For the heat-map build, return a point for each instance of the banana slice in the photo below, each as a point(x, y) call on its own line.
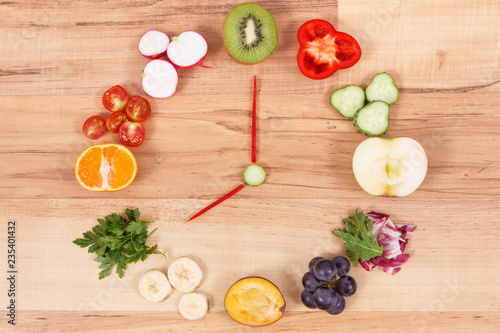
point(193, 306)
point(184, 274)
point(154, 286)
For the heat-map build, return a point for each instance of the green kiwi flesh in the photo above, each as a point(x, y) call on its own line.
point(250, 33)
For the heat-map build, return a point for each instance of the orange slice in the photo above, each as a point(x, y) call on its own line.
point(105, 167)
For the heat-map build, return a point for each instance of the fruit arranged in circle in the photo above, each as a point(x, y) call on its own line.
point(250, 33)
point(326, 283)
point(105, 167)
point(313, 262)
point(115, 99)
point(310, 282)
point(131, 133)
point(138, 109)
point(346, 285)
point(115, 120)
point(193, 306)
point(154, 286)
point(184, 274)
point(343, 265)
point(94, 127)
point(254, 301)
point(324, 270)
point(389, 166)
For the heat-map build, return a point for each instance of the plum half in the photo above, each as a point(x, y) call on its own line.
point(254, 301)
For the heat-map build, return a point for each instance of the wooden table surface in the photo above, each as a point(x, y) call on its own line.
point(58, 57)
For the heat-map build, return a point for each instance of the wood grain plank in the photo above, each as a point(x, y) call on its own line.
point(455, 252)
point(108, 321)
point(198, 147)
point(447, 46)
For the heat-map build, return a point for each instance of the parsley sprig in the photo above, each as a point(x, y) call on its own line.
point(118, 241)
point(359, 241)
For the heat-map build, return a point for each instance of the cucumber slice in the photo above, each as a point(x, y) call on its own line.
point(348, 100)
point(254, 175)
point(382, 88)
point(373, 119)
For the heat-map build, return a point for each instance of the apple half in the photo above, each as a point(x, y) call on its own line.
point(389, 166)
point(254, 301)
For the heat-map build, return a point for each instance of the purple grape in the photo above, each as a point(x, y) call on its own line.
point(314, 261)
point(339, 305)
point(324, 298)
point(325, 270)
point(310, 282)
point(343, 265)
point(307, 299)
point(346, 286)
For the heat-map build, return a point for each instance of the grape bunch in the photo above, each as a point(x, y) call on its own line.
point(327, 283)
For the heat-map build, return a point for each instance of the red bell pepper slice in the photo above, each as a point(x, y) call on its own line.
point(324, 50)
point(254, 121)
point(218, 201)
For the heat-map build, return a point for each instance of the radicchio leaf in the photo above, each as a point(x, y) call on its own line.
point(393, 238)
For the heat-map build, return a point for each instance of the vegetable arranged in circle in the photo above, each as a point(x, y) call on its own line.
point(389, 166)
point(250, 33)
point(373, 119)
point(153, 44)
point(115, 120)
point(348, 100)
point(187, 49)
point(94, 127)
point(115, 99)
point(324, 50)
point(138, 109)
point(382, 88)
point(131, 133)
point(159, 79)
point(254, 301)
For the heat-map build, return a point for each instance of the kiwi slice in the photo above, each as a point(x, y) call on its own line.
point(250, 33)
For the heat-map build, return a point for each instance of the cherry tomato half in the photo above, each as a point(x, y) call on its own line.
point(115, 120)
point(115, 99)
point(324, 50)
point(94, 127)
point(131, 133)
point(138, 109)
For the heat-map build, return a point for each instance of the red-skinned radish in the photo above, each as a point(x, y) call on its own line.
point(153, 44)
point(159, 79)
point(187, 50)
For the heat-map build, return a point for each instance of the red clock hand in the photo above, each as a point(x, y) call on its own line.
point(254, 121)
point(213, 204)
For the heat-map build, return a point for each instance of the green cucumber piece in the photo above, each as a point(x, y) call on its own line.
point(382, 88)
point(254, 175)
point(348, 100)
point(373, 119)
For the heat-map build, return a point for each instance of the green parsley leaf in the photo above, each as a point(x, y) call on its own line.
point(359, 241)
point(118, 241)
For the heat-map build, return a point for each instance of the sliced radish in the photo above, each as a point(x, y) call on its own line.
point(159, 79)
point(153, 44)
point(187, 49)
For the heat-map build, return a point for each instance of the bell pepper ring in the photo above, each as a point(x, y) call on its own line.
point(324, 50)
